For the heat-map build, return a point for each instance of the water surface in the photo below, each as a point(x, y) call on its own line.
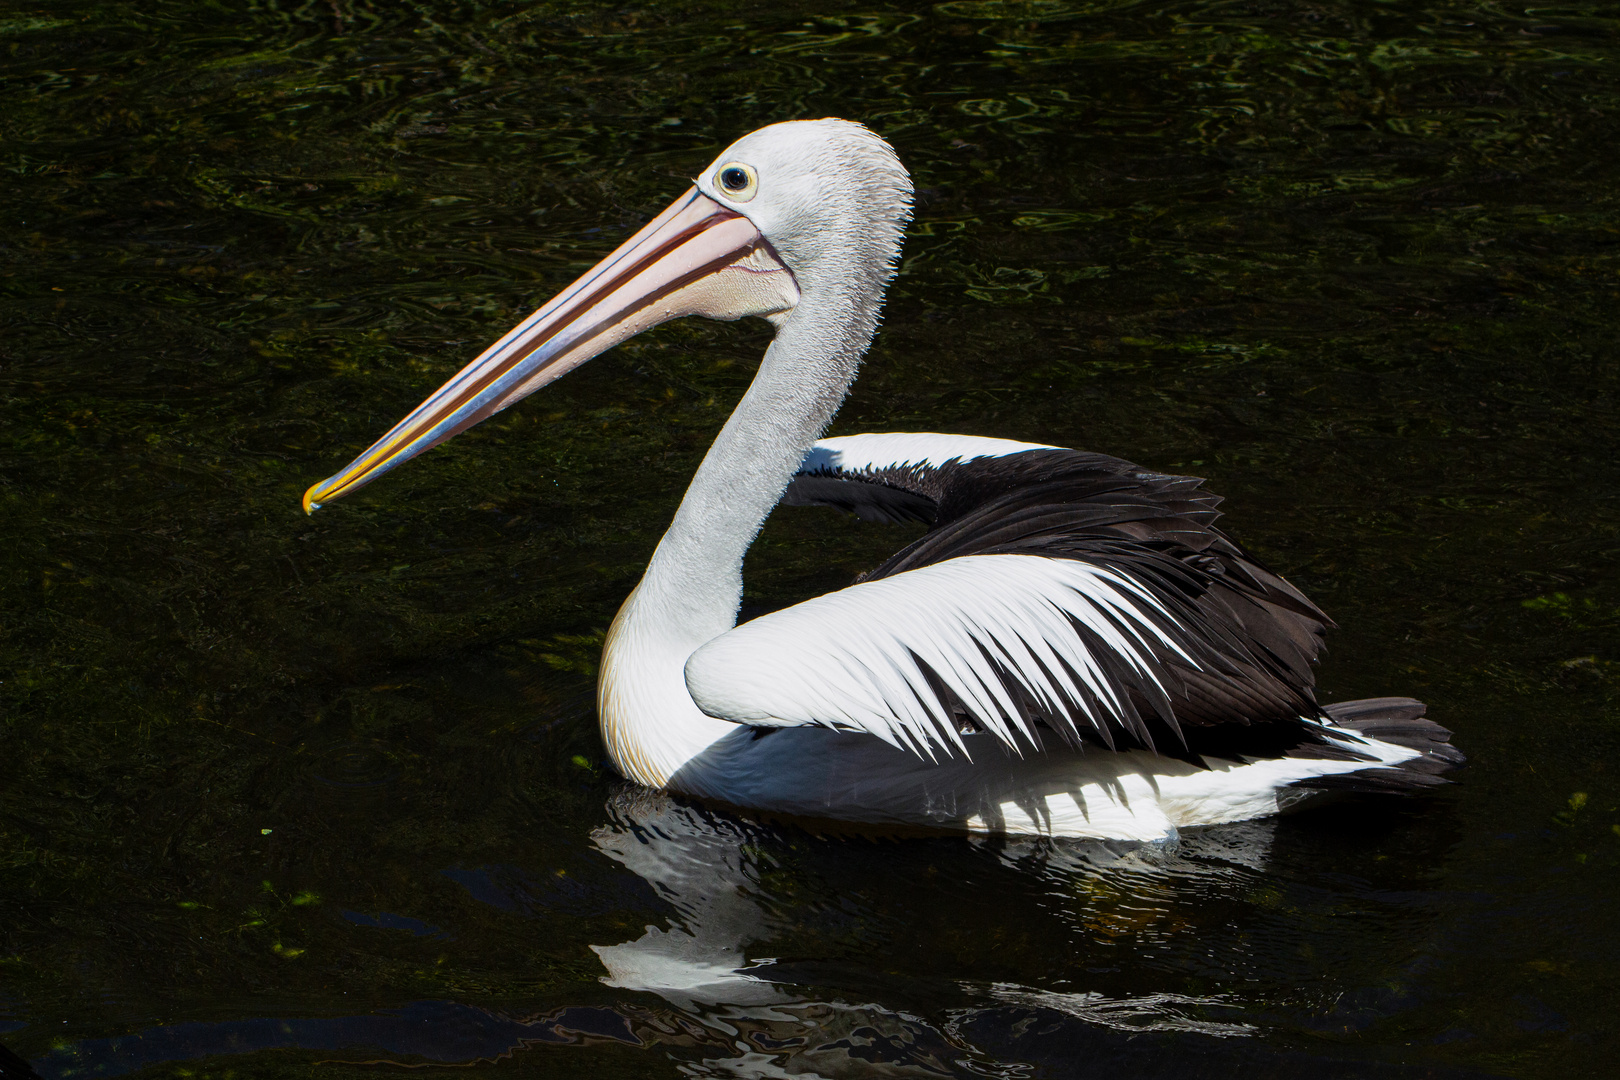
point(298, 796)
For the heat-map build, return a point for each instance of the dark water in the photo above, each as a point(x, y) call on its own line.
point(297, 796)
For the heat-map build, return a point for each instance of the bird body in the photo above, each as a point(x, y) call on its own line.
point(1072, 648)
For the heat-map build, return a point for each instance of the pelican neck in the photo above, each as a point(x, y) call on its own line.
point(693, 584)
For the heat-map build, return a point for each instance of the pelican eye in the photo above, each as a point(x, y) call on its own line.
point(738, 181)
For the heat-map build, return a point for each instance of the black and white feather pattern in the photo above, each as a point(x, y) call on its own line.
point(1056, 593)
point(1010, 640)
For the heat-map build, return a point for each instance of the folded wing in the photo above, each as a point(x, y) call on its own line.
point(1009, 644)
point(1056, 593)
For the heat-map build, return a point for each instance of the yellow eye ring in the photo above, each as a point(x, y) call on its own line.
point(736, 181)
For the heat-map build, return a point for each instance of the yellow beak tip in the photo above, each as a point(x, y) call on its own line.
point(310, 505)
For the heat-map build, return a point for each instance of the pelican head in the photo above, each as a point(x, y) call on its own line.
point(796, 217)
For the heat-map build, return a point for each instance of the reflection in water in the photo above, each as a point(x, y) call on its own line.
point(701, 865)
point(1151, 1012)
point(709, 867)
point(733, 888)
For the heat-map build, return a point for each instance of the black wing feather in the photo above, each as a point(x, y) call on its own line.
point(1253, 637)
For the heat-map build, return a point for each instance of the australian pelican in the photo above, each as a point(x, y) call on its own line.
point(1072, 648)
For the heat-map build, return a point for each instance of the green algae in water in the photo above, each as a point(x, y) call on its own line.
point(1356, 263)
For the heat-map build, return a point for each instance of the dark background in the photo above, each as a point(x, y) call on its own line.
point(281, 793)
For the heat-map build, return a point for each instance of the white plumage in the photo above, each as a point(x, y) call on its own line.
point(1072, 648)
point(858, 659)
point(876, 452)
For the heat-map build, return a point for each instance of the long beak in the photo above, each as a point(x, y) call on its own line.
point(696, 258)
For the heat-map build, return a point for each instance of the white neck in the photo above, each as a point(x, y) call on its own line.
point(693, 585)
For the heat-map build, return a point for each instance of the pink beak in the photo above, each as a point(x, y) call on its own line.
point(695, 258)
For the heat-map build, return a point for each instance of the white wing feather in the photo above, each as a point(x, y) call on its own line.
point(854, 659)
point(886, 450)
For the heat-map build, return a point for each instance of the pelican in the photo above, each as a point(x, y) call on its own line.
point(1071, 649)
